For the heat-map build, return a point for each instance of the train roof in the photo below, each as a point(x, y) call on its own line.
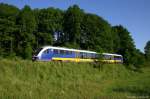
point(112, 54)
point(69, 49)
point(86, 51)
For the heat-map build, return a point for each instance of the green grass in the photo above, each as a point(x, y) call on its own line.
point(22, 79)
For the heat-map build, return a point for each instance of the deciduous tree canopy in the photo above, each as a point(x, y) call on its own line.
point(23, 30)
point(147, 50)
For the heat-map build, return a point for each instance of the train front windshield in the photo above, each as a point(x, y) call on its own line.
point(37, 51)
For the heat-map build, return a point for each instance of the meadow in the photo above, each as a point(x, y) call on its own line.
point(24, 79)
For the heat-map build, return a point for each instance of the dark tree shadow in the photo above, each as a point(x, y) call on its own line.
point(133, 90)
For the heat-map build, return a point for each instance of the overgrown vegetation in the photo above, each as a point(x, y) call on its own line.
point(24, 30)
point(55, 80)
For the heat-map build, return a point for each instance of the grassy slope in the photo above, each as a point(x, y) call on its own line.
point(25, 80)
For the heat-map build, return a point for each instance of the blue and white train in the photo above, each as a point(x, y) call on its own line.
point(50, 53)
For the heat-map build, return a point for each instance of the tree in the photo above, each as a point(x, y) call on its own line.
point(116, 39)
point(27, 51)
point(25, 35)
point(49, 24)
point(27, 29)
point(147, 50)
point(72, 25)
point(96, 34)
point(8, 28)
point(125, 45)
point(140, 59)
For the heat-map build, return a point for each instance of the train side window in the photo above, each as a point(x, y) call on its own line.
point(46, 51)
point(117, 57)
point(110, 57)
point(96, 56)
point(88, 55)
point(81, 55)
point(56, 51)
point(50, 50)
point(70, 52)
point(67, 52)
point(93, 56)
point(84, 54)
point(61, 51)
point(107, 57)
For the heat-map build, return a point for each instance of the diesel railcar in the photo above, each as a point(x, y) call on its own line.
point(51, 53)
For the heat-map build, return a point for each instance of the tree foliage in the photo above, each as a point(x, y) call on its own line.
point(27, 25)
point(124, 45)
point(147, 50)
point(22, 30)
point(72, 25)
point(8, 27)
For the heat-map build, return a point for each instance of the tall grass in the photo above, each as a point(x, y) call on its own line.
point(55, 80)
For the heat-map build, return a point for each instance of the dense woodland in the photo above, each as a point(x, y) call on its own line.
point(24, 30)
